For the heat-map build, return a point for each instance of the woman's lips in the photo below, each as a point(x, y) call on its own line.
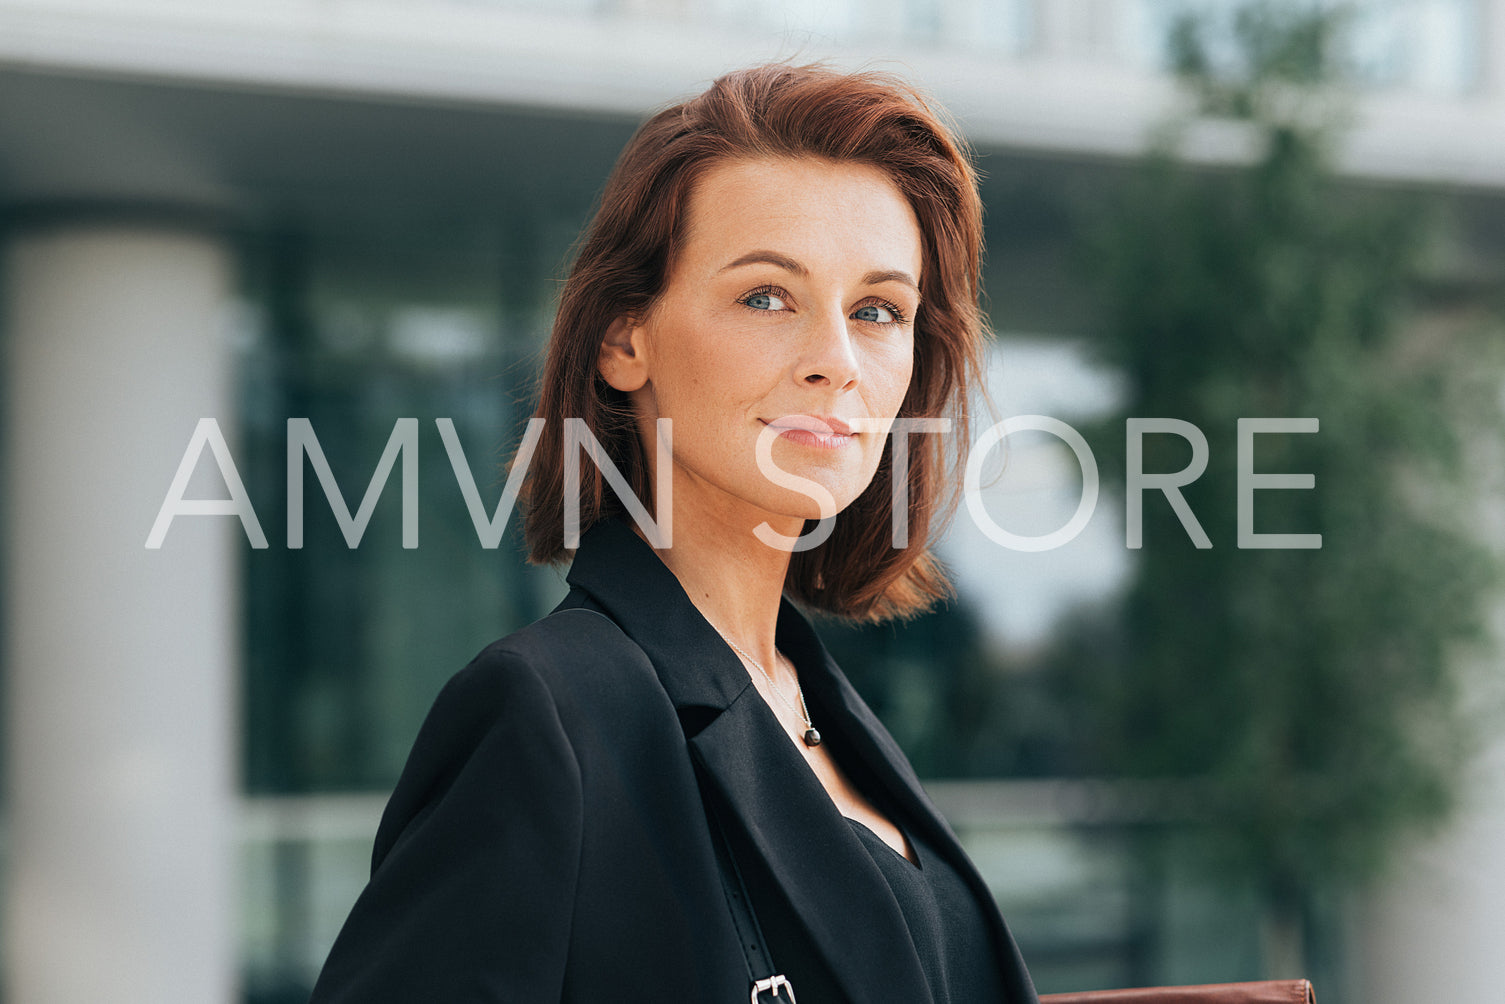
point(819, 431)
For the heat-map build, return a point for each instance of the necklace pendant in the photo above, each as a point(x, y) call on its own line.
point(812, 737)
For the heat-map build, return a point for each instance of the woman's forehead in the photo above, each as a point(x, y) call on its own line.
point(805, 204)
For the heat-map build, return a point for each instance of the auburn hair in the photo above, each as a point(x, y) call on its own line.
point(623, 263)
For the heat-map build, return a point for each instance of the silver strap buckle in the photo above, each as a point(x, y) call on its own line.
point(772, 985)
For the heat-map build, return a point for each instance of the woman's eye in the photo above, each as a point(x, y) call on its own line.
point(876, 312)
point(765, 300)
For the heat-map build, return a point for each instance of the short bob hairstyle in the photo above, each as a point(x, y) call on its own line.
point(623, 263)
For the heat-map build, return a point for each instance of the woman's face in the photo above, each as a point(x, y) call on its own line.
point(790, 306)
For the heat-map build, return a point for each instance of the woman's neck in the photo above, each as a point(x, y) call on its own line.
point(733, 578)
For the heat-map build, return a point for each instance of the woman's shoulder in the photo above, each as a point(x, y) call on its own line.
point(575, 661)
point(559, 644)
point(538, 700)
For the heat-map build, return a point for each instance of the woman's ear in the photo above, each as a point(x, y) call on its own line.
point(622, 362)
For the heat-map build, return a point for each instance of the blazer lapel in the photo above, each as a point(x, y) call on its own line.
point(820, 866)
point(848, 715)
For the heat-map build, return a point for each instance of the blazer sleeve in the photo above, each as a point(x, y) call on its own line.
point(476, 860)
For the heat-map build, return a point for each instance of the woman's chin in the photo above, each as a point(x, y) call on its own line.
point(799, 510)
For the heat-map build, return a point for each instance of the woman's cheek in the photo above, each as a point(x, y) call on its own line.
point(897, 369)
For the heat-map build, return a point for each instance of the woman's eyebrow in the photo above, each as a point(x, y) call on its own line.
point(774, 258)
point(891, 275)
point(788, 264)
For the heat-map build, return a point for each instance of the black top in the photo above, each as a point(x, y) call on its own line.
point(946, 925)
point(548, 839)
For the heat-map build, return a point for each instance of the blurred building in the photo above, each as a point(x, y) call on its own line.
point(353, 212)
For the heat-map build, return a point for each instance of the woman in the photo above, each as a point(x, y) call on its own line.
point(780, 267)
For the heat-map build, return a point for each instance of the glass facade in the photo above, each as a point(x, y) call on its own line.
point(346, 644)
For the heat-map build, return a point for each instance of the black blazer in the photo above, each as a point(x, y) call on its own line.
point(547, 839)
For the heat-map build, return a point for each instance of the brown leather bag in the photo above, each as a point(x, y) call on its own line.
point(1270, 992)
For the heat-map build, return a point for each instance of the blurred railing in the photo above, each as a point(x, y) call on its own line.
point(304, 859)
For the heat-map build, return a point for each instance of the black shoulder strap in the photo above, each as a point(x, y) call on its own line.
point(762, 976)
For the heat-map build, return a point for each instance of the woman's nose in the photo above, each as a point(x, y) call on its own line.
point(830, 358)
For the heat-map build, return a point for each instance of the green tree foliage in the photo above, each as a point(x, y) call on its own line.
point(1304, 701)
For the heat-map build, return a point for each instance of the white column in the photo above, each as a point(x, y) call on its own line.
point(1435, 931)
point(119, 659)
point(1492, 50)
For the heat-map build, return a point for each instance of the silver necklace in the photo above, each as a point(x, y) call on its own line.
point(811, 736)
